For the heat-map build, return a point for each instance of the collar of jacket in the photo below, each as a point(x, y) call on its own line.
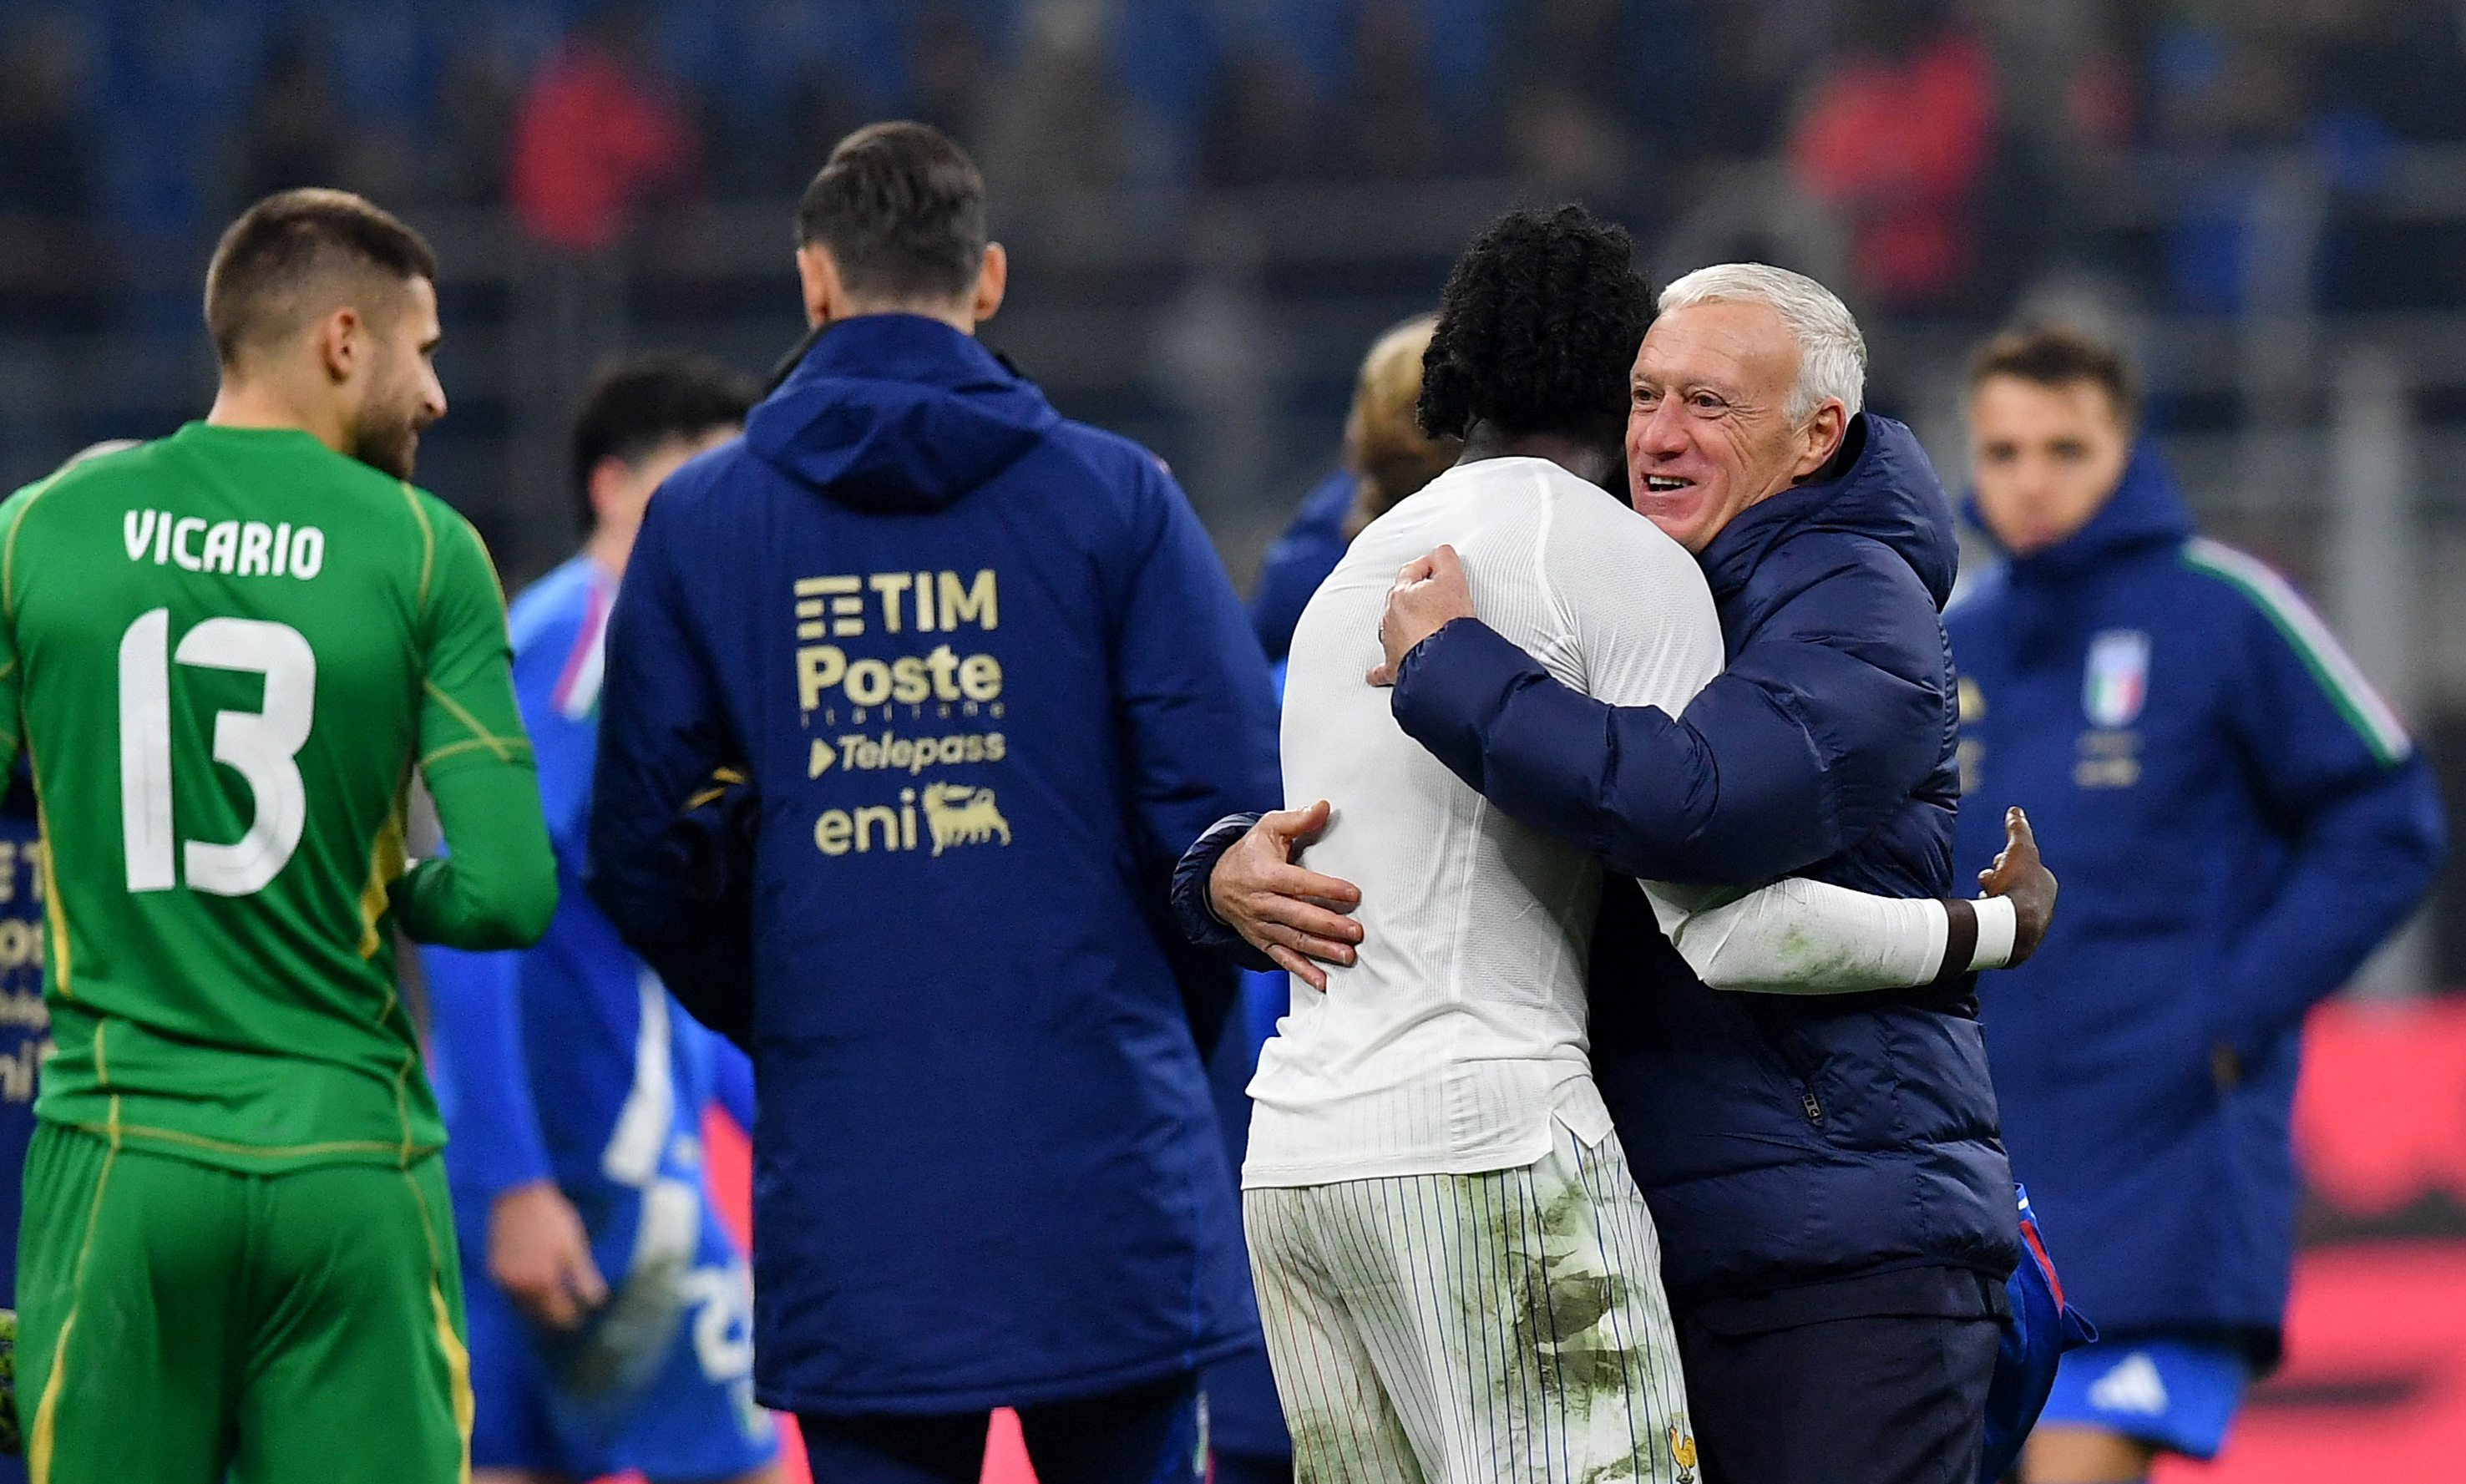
point(2146, 510)
point(1880, 486)
point(897, 412)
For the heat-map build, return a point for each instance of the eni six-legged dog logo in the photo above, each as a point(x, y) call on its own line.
point(962, 816)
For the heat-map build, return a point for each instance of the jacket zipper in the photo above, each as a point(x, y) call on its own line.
point(1806, 1102)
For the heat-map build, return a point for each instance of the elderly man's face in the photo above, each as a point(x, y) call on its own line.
point(1707, 430)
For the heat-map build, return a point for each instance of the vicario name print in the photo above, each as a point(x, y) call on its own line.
point(237, 548)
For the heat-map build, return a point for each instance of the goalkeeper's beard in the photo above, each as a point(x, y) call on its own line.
point(385, 433)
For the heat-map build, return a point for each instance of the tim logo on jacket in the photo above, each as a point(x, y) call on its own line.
point(872, 645)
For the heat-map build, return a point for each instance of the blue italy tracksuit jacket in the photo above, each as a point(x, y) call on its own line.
point(985, 679)
point(2237, 821)
point(569, 1061)
point(1804, 1157)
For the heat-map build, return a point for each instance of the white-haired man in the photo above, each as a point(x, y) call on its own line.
point(1836, 1210)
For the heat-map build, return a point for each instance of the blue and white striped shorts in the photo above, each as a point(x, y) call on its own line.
point(1464, 1329)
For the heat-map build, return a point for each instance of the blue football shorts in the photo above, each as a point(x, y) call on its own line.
point(2174, 1391)
point(673, 1397)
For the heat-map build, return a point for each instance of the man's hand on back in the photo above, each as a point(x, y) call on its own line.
point(2021, 876)
point(1430, 593)
point(540, 1255)
point(1291, 914)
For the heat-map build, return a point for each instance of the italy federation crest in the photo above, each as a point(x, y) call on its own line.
point(2117, 679)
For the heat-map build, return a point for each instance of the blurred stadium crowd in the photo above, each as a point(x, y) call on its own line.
point(1959, 141)
point(1214, 204)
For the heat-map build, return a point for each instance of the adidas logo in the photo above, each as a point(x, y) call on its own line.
point(2132, 1386)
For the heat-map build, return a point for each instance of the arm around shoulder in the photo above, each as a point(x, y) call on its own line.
point(1721, 779)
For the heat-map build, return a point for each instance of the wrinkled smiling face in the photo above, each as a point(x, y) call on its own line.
point(404, 395)
point(1707, 430)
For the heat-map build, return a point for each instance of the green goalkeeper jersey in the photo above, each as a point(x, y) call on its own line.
point(225, 652)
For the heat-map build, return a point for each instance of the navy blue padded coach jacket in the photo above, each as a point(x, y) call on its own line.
point(988, 680)
point(1781, 1141)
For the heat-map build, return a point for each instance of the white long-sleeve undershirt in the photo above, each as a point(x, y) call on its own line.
point(1806, 938)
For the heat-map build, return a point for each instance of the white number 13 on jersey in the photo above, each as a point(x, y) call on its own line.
point(261, 746)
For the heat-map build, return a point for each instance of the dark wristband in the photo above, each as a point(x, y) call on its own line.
point(1960, 940)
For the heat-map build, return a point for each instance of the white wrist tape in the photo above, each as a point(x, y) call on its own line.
point(1997, 926)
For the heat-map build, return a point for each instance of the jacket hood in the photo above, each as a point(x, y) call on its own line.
point(897, 412)
point(1880, 486)
point(2146, 510)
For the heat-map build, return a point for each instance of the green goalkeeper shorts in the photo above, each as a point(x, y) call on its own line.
point(182, 1322)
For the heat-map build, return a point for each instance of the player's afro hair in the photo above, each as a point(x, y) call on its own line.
point(1537, 328)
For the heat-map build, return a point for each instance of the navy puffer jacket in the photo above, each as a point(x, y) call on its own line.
point(1781, 1141)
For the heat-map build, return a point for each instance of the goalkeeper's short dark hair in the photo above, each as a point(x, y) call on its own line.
point(641, 400)
point(1538, 327)
point(304, 251)
point(901, 209)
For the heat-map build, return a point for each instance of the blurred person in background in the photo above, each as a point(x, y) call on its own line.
point(613, 1329)
point(952, 71)
point(1056, 125)
point(1570, 89)
point(24, 1038)
point(1386, 457)
point(599, 131)
point(475, 99)
point(1267, 123)
point(1385, 119)
point(48, 276)
point(2243, 821)
point(55, 268)
point(295, 132)
point(1897, 136)
point(979, 678)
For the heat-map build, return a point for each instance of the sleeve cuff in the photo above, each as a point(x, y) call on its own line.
point(1191, 911)
point(1997, 926)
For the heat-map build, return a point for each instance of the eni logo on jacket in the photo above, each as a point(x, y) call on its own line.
point(955, 815)
point(959, 816)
